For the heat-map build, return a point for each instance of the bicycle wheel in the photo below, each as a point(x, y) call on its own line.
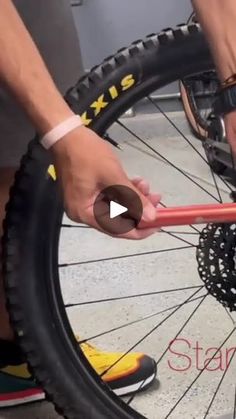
point(40, 276)
point(198, 95)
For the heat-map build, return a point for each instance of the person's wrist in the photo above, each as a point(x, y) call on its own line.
point(65, 145)
point(61, 130)
point(46, 123)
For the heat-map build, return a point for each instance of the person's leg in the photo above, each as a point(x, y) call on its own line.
point(6, 179)
point(51, 25)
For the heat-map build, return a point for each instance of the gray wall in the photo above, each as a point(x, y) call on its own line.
point(107, 25)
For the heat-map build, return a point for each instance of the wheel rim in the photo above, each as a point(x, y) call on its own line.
point(199, 93)
point(194, 297)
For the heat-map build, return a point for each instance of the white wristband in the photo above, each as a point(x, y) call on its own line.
point(57, 133)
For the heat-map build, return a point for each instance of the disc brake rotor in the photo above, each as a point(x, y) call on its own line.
point(216, 257)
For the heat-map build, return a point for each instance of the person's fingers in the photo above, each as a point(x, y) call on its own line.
point(126, 224)
point(155, 199)
point(144, 188)
point(149, 211)
point(142, 185)
point(123, 196)
point(149, 201)
point(118, 177)
point(136, 180)
point(139, 234)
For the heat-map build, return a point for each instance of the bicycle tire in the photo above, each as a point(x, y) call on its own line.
point(30, 252)
point(198, 125)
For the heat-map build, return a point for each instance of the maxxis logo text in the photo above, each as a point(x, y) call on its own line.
point(112, 93)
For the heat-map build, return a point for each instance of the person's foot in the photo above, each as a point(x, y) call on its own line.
point(134, 372)
point(17, 386)
point(124, 374)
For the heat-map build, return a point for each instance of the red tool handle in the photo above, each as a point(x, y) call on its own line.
point(197, 214)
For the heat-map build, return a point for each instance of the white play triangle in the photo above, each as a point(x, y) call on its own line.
point(116, 210)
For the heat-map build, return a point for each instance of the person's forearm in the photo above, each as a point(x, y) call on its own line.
point(218, 19)
point(23, 71)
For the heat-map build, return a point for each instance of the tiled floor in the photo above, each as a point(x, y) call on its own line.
point(151, 272)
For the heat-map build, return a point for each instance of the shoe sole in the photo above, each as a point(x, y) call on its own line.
point(137, 387)
point(20, 398)
point(30, 396)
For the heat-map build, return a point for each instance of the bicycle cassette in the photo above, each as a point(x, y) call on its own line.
point(216, 257)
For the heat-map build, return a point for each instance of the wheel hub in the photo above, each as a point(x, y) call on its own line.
point(216, 257)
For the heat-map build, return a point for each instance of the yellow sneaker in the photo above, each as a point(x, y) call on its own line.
point(134, 372)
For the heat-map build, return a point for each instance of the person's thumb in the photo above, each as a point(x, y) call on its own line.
point(149, 211)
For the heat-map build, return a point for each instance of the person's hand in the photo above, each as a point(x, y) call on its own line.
point(230, 125)
point(86, 165)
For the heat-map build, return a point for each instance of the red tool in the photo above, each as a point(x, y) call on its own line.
point(196, 214)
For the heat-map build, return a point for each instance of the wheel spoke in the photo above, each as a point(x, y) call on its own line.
point(172, 123)
point(129, 297)
point(175, 236)
point(142, 319)
point(167, 161)
point(185, 172)
point(154, 329)
point(219, 385)
point(229, 315)
point(182, 233)
point(76, 226)
point(216, 185)
point(158, 107)
point(202, 298)
point(154, 252)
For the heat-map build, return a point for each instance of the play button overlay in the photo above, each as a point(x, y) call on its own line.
point(118, 209)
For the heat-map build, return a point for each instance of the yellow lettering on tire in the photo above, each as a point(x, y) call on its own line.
point(127, 82)
point(113, 92)
point(85, 119)
point(52, 172)
point(99, 104)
